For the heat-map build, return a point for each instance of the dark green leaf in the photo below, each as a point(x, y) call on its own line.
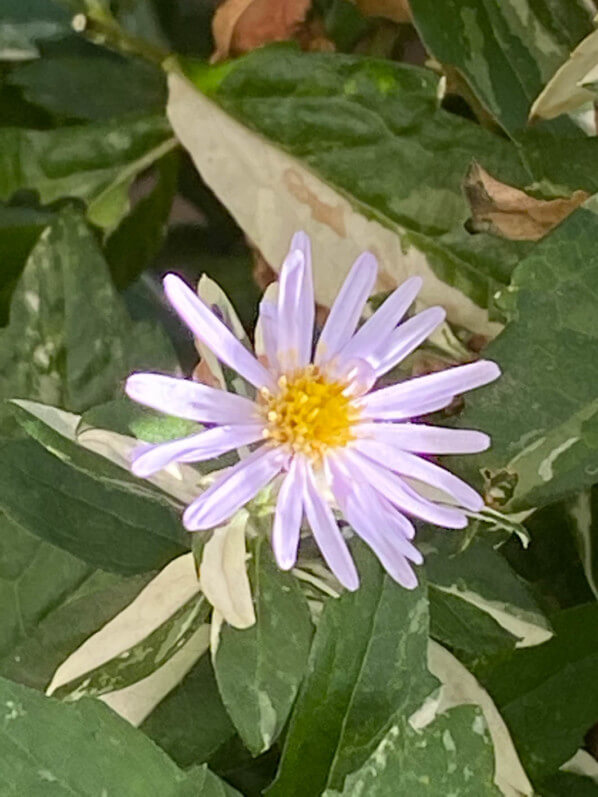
point(48, 747)
point(97, 86)
point(507, 51)
point(138, 239)
point(547, 694)
point(259, 669)
point(94, 162)
point(374, 130)
point(24, 23)
point(111, 523)
point(191, 723)
point(367, 664)
point(20, 227)
point(546, 445)
point(70, 341)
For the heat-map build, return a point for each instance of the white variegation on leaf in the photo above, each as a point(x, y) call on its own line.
point(258, 182)
point(223, 573)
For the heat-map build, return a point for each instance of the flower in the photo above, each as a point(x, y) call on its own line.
point(316, 423)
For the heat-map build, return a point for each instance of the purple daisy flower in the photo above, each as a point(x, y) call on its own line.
point(318, 427)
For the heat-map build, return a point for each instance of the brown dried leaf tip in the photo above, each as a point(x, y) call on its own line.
point(508, 212)
point(239, 26)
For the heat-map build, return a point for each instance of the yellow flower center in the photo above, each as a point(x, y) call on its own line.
point(309, 413)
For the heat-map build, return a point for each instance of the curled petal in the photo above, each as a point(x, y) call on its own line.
point(213, 333)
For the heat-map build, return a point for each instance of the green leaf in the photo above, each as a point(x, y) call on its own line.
point(361, 151)
point(259, 669)
point(96, 86)
point(481, 576)
point(144, 658)
point(547, 694)
point(70, 341)
point(546, 446)
point(565, 784)
point(469, 631)
point(367, 664)
point(583, 519)
point(24, 23)
point(138, 239)
point(191, 723)
point(94, 162)
point(83, 503)
point(20, 228)
point(506, 50)
point(50, 610)
point(86, 749)
point(453, 755)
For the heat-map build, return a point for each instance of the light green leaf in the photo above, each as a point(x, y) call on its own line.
point(259, 669)
point(70, 341)
point(506, 49)
point(96, 162)
point(361, 157)
point(367, 665)
point(85, 749)
point(546, 446)
point(453, 755)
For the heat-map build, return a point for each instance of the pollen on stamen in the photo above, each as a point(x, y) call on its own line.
point(308, 413)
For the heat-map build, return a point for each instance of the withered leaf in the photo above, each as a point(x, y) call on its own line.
point(239, 26)
point(396, 10)
point(509, 212)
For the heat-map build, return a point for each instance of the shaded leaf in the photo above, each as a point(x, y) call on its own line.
point(521, 46)
point(24, 23)
point(547, 694)
point(70, 341)
point(95, 162)
point(191, 723)
point(259, 669)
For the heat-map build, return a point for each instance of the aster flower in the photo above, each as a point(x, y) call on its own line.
point(316, 425)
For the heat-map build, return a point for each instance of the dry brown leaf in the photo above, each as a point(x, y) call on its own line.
point(397, 10)
point(239, 26)
point(506, 211)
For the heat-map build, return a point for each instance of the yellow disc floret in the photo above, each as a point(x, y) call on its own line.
point(308, 413)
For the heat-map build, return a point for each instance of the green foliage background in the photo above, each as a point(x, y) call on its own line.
point(381, 692)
